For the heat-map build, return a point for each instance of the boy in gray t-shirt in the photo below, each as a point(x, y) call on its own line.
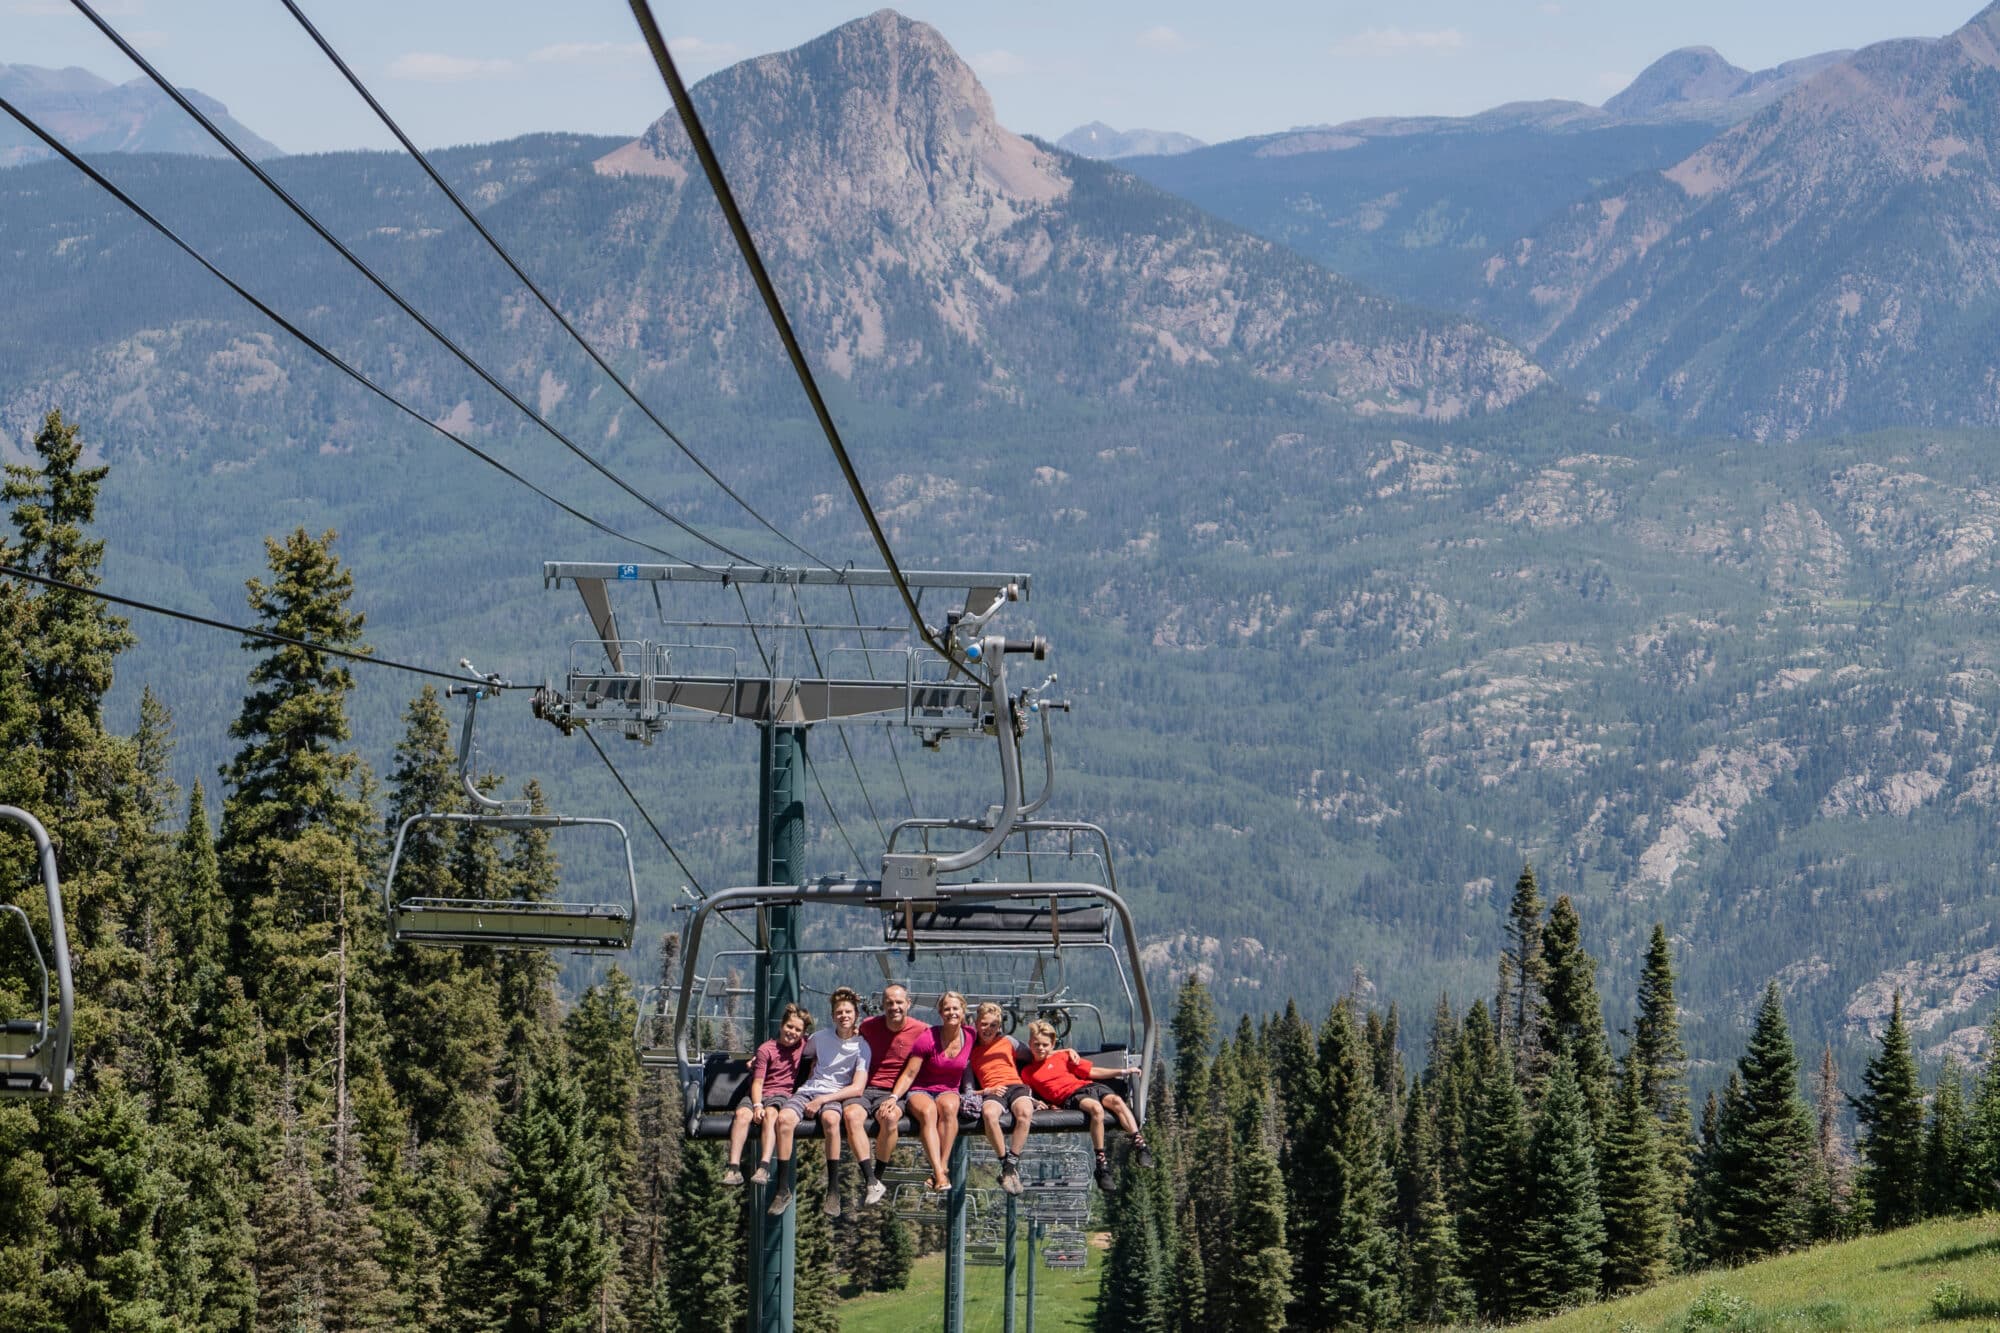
point(839, 1059)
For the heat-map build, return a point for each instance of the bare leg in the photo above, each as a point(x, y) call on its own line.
point(923, 1110)
point(788, 1124)
point(768, 1141)
point(1116, 1105)
point(886, 1130)
point(947, 1109)
point(739, 1130)
point(1024, 1114)
point(1093, 1111)
point(829, 1129)
point(857, 1129)
point(989, 1120)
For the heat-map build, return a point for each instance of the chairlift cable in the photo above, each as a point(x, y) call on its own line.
point(144, 214)
point(642, 11)
point(465, 210)
point(845, 744)
point(361, 266)
point(270, 636)
point(838, 827)
point(901, 777)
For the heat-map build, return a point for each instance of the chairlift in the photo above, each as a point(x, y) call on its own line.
point(961, 916)
point(520, 923)
point(35, 1050)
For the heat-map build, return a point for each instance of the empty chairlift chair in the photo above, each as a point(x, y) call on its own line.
point(519, 923)
point(35, 1048)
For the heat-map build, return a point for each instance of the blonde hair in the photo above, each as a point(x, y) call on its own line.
point(988, 1009)
point(1041, 1027)
point(951, 995)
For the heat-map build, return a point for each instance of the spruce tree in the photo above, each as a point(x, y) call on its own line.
point(1948, 1186)
point(1833, 1168)
point(1639, 1219)
point(1562, 1245)
point(1523, 977)
point(1261, 1271)
point(548, 1250)
point(1497, 1182)
point(1572, 1017)
point(1351, 1264)
point(1129, 1295)
point(1760, 1199)
point(704, 1269)
point(1212, 1185)
point(1662, 1063)
point(1985, 1128)
point(1891, 1115)
point(1194, 1040)
point(1434, 1292)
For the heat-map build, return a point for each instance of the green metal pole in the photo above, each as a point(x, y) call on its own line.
point(1034, 1234)
point(954, 1238)
point(1013, 1249)
point(781, 837)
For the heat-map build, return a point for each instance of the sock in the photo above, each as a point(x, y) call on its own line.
point(786, 1176)
point(868, 1169)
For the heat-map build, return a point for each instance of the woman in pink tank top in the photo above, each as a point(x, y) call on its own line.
point(934, 1092)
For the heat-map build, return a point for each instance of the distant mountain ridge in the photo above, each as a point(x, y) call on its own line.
point(1101, 141)
point(94, 115)
point(1831, 264)
point(1696, 80)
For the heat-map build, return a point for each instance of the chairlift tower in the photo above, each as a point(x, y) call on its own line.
point(640, 685)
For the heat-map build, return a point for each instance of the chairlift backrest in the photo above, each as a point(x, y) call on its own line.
point(35, 1050)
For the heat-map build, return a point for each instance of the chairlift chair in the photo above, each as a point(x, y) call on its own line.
point(971, 916)
point(35, 1050)
point(521, 923)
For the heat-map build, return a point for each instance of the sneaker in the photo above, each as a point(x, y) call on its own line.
point(1144, 1154)
point(876, 1191)
point(1105, 1180)
point(762, 1175)
point(831, 1204)
point(1010, 1174)
point(780, 1201)
point(733, 1176)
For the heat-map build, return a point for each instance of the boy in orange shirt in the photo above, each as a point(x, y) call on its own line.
point(1066, 1081)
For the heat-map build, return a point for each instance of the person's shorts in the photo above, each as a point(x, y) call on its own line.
point(796, 1103)
point(778, 1100)
point(874, 1097)
point(1096, 1092)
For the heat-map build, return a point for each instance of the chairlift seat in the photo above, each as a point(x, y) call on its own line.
point(999, 924)
point(512, 924)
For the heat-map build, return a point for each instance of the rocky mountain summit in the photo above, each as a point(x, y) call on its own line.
point(1830, 264)
point(97, 116)
point(1101, 141)
point(1696, 81)
point(919, 236)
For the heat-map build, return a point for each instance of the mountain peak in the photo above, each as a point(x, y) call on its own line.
point(1102, 141)
point(875, 114)
point(1691, 74)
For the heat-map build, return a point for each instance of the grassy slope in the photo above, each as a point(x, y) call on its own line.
point(1878, 1282)
point(1063, 1300)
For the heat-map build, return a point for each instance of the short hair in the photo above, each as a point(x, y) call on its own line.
point(988, 1009)
point(896, 985)
point(843, 995)
point(799, 1012)
point(951, 995)
point(1041, 1027)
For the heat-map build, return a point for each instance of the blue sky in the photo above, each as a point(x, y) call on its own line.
point(457, 71)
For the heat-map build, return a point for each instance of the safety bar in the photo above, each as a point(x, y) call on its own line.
point(53, 1053)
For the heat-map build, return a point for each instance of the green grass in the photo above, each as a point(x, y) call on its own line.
point(1063, 1300)
point(1941, 1275)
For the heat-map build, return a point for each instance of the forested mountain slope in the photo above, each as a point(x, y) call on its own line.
point(1338, 672)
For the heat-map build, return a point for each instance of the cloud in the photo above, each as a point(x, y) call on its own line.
point(429, 67)
point(1164, 39)
point(572, 53)
point(701, 51)
point(1400, 41)
point(997, 64)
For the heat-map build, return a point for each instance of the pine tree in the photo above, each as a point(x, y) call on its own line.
point(1948, 1186)
point(1985, 1128)
point(1351, 1267)
point(1662, 1064)
point(548, 1250)
point(1764, 1144)
point(1571, 1021)
point(1194, 1041)
point(1833, 1165)
point(1639, 1220)
point(1562, 1249)
point(1434, 1292)
point(1523, 977)
point(1134, 1267)
point(1304, 1157)
point(1891, 1114)
point(1489, 1224)
point(1212, 1185)
point(704, 1270)
point(815, 1282)
point(1261, 1273)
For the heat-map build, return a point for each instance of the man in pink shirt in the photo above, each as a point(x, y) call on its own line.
point(892, 1038)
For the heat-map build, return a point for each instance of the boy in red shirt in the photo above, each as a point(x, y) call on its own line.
point(1065, 1080)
